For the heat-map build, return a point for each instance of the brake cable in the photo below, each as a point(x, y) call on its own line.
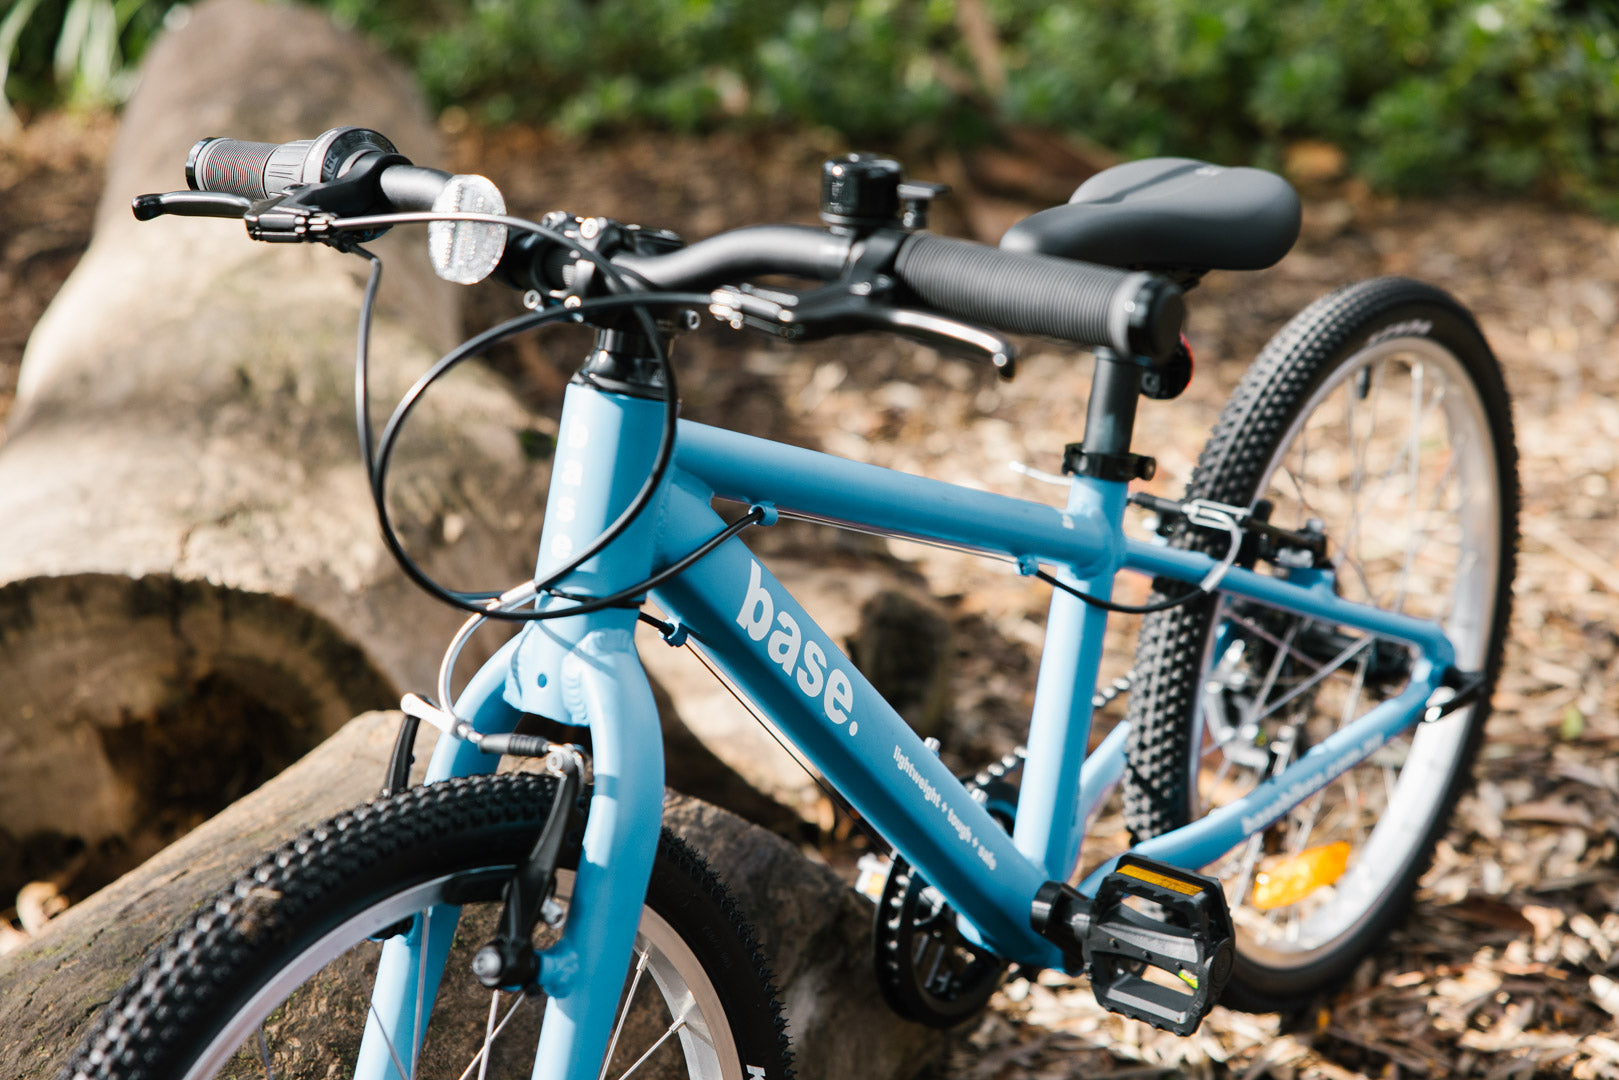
point(1200, 512)
point(377, 456)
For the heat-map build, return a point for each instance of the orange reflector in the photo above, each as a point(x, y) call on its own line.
point(1297, 876)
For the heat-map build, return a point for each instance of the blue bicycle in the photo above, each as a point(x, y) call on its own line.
point(1329, 604)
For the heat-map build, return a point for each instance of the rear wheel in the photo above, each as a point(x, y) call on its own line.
point(273, 978)
point(1380, 413)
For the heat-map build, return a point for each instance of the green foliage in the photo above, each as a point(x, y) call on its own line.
point(76, 51)
point(1423, 95)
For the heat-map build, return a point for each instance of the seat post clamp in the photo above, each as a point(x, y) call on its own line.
point(1121, 468)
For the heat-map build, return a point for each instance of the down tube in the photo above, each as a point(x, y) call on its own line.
point(759, 636)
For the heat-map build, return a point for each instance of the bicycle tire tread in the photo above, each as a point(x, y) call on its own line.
point(1170, 650)
point(265, 911)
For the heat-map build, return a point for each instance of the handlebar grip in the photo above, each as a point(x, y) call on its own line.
point(258, 170)
point(1135, 313)
point(235, 167)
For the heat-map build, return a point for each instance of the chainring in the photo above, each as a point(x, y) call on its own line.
point(926, 970)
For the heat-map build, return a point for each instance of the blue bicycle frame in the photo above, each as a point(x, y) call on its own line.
point(584, 670)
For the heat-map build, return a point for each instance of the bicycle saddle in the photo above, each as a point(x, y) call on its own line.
point(1168, 214)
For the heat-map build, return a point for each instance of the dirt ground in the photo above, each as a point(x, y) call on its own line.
point(1509, 966)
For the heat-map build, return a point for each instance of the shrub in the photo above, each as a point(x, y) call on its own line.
point(1423, 95)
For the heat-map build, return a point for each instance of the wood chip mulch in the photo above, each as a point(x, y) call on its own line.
point(1509, 964)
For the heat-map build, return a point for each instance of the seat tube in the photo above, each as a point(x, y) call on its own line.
point(1049, 828)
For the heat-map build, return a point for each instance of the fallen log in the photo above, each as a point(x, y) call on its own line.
point(815, 930)
point(192, 587)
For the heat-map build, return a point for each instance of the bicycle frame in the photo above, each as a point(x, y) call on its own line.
point(585, 670)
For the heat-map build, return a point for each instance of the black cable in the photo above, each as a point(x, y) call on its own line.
point(595, 603)
point(1121, 609)
point(362, 391)
point(833, 795)
point(667, 629)
point(379, 460)
point(476, 602)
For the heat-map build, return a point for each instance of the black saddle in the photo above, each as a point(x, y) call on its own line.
point(1173, 215)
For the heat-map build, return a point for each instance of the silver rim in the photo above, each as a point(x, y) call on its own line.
point(1394, 453)
point(670, 1021)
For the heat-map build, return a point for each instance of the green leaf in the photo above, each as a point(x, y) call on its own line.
point(10, 30)
point(1573, 725)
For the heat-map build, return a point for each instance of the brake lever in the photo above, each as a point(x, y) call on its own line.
point(212, 204)
point(842, 309)
point(949, 336)
point(280, 219)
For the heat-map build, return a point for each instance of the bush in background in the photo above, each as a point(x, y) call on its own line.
point(1423, 95)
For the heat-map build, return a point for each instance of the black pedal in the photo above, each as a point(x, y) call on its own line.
point(1179, 928)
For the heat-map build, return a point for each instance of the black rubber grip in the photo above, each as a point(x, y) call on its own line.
point(1134, 313)
point(231, 166)
point(257, 170)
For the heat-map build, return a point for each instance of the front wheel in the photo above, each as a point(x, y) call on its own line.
point(1379, 417)
point(274, 977)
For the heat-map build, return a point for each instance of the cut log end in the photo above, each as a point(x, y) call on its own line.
point(138, 707)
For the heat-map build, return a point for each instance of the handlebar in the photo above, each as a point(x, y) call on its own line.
point(741, 254)
point(358, 171)
point(1134, 313)
point(256, 170)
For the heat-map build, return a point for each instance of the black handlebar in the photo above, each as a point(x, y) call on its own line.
point(1133, 313)
point(1136, 314)
point(741, 254)
point(257, 171)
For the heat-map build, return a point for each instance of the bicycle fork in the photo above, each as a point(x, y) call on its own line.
point(583, 670)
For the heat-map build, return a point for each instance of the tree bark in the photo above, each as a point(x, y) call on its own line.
point(815, 931)
point(187, 534)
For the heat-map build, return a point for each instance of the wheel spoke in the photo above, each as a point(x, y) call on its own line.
point(1357, 454)
point(1245, 867)
point(481, 1059)
point(1308, 812)
point(1405, 461)
point(393, 1053)
point(624, 1010)
point(1441, 485)
point(264, 1053)
point(1252, 714)
point(1260, 632)
point(1350, 711)
point(421, 986)
point(1306, 508)
point(674, 1027)
point(488, 1037)
point(1337, 662)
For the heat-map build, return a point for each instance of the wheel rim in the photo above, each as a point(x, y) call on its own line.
point(670, 1021)
point(1394, 453)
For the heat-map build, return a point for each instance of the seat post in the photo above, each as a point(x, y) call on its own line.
point(1110, 420)
point(1110, 415)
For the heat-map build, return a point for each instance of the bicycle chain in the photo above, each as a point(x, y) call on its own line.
point(1109, 693)
point(912, 919)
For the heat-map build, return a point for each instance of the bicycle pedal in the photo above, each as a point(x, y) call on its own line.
point(1159, 944)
